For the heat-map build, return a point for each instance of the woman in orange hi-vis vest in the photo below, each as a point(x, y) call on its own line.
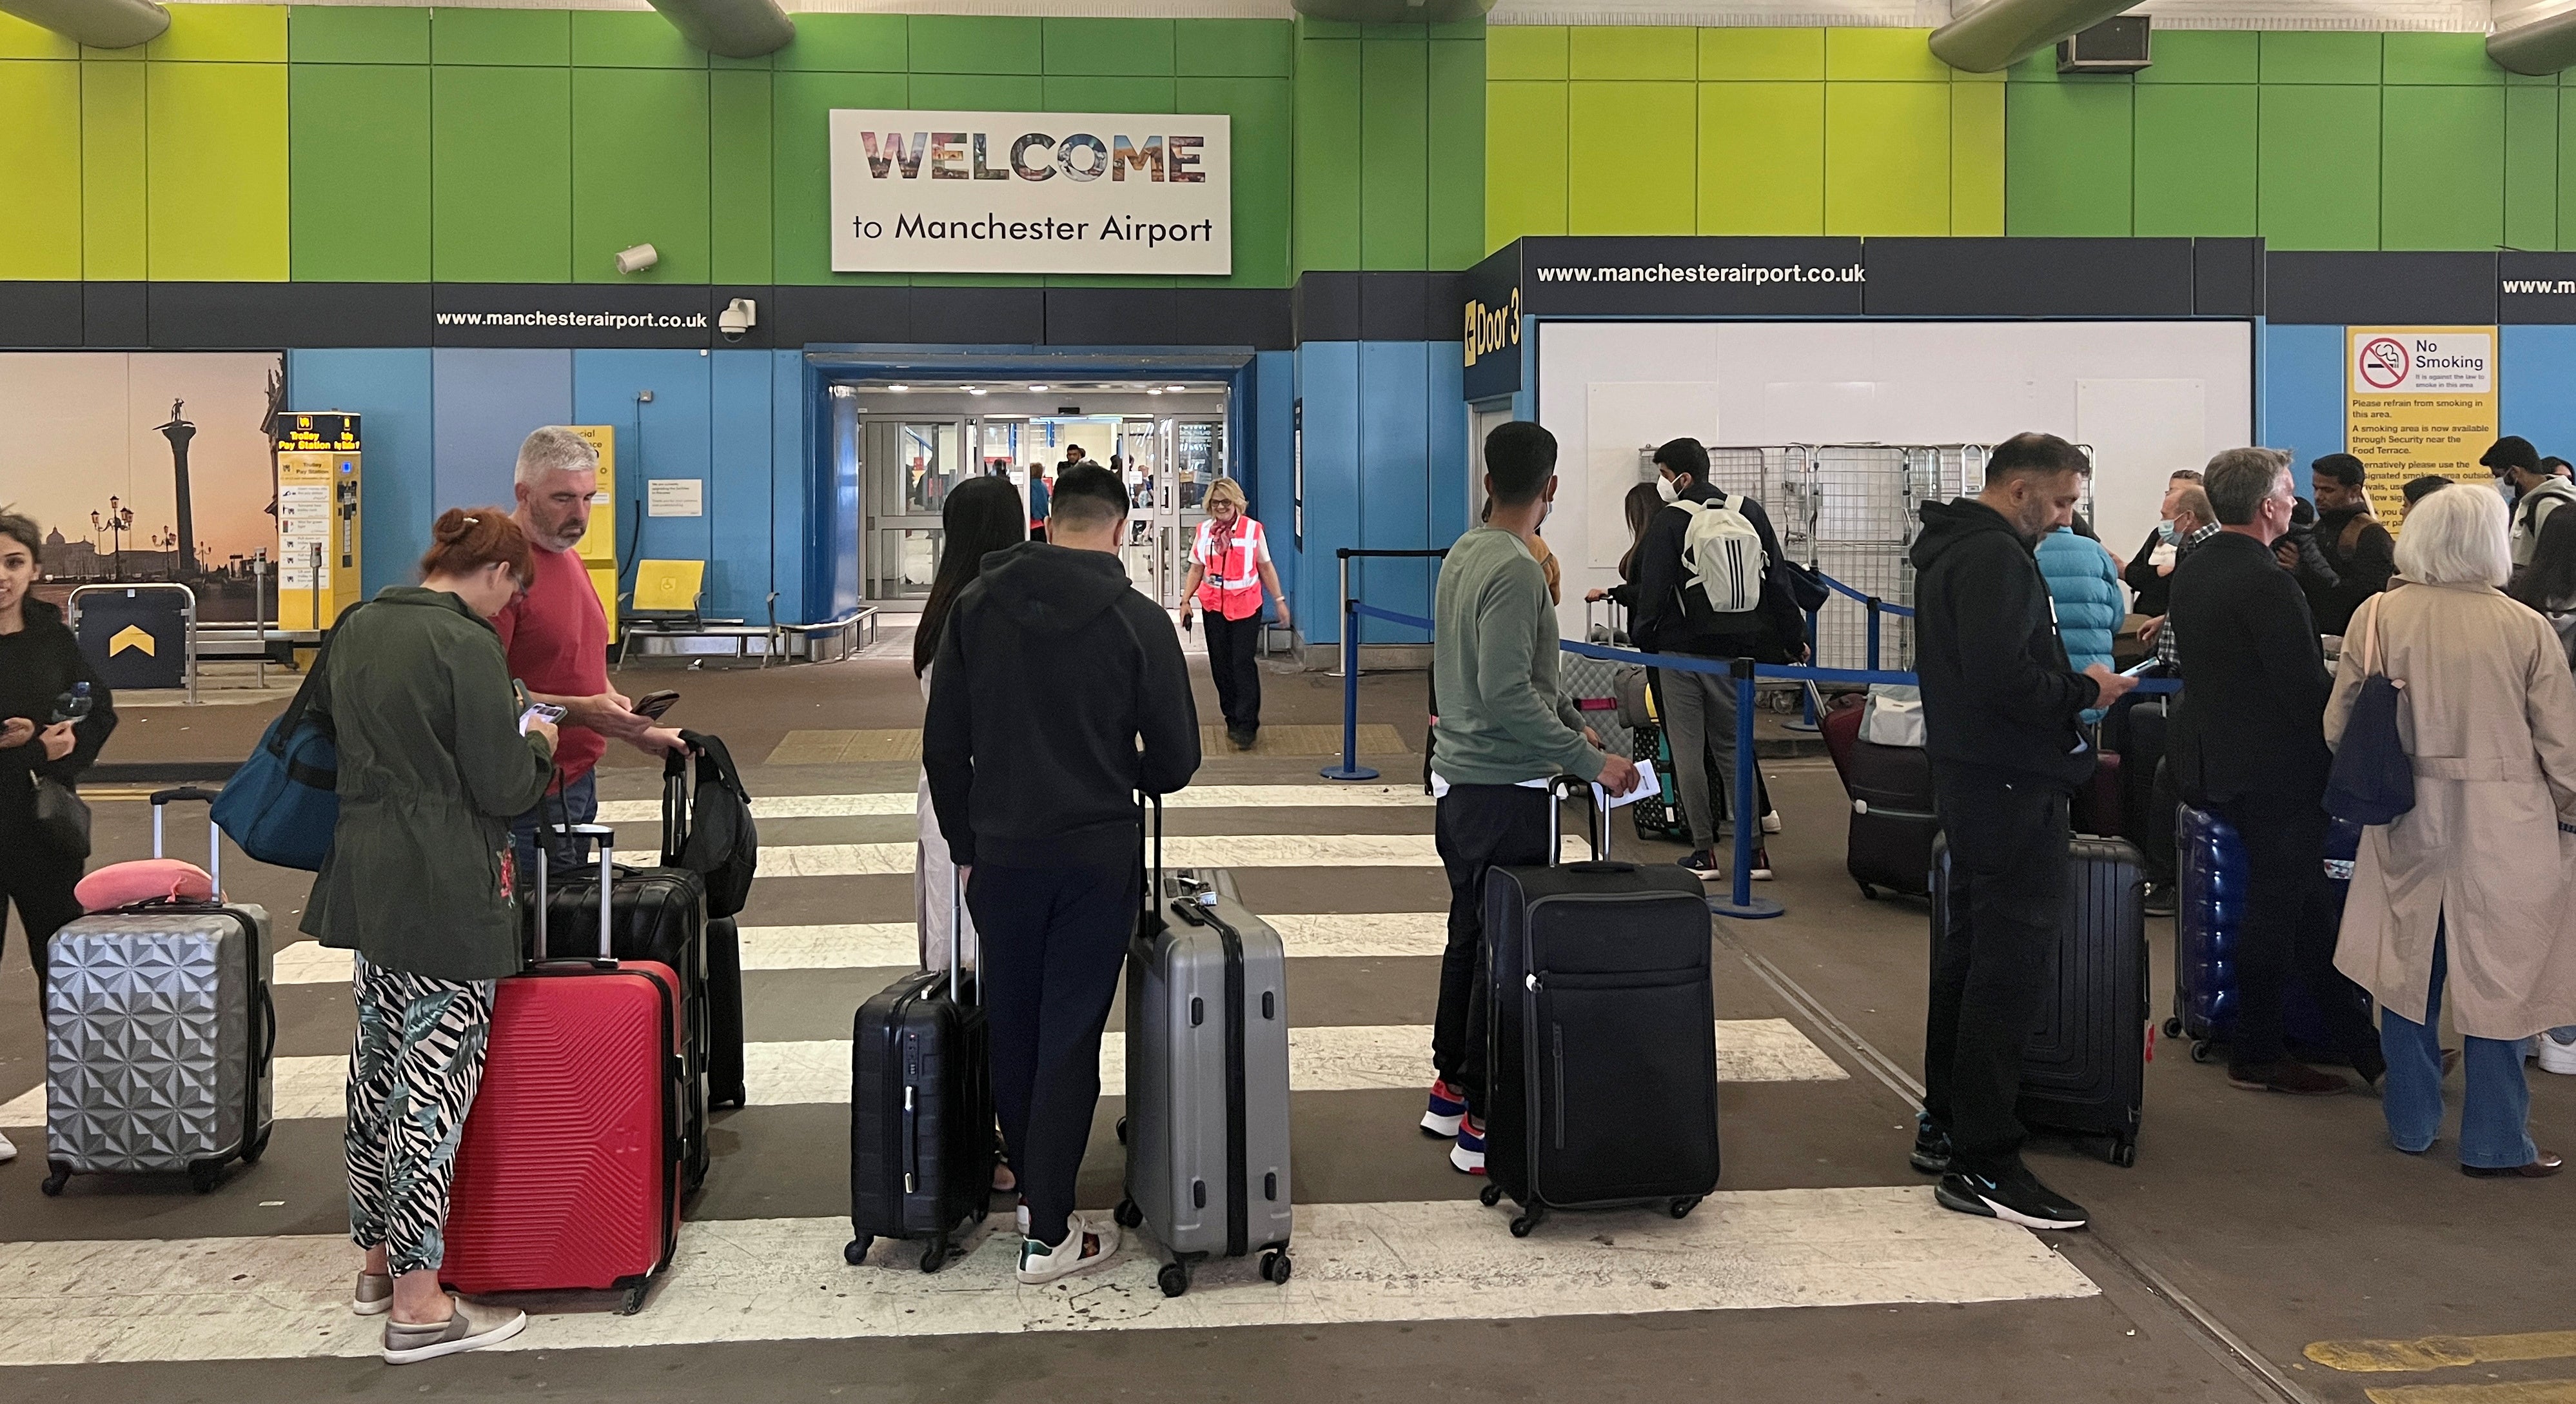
point(1229, 568)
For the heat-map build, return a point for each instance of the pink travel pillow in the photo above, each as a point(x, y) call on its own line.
point(143, 880)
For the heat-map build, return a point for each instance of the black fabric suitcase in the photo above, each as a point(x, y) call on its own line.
point(1892, 822)
point(1601, 1038)
point(725, 1087)
point(723, 854)
point(2086, 1068)
point(921, 1114)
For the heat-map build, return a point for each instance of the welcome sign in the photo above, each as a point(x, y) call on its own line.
point(1031, 192)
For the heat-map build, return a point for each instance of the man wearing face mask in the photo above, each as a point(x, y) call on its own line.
point(2534, 491)
point(2150, 572)
point(2000, 710)
point(2249, 745)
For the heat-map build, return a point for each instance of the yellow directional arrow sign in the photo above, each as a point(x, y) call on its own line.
point(131, 636)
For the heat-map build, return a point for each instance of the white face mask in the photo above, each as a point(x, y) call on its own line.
point(1664, 489)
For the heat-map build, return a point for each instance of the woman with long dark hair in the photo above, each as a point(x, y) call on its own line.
point(2548, 584)
point(983, 515)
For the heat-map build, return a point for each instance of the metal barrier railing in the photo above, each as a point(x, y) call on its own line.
point(1350, 768)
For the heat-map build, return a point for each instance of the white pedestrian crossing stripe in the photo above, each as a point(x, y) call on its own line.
point(1220, 851)
point(879, 804)
point(286, 1297)
point(1322, 1058)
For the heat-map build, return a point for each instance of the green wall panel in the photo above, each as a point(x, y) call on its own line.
point(40, 169)
point(1106, 47)
point(1631, 53)
point(1639, 151)
point(216, 162)
point(630, 39)
point(1883, 56)
point(2195, 160)
point(2067, 146)
point(1750, 53)
point(829, 43)
point(803, 163)
point(2320, 57)
point(1395, 140)
point(2531, 168)
point(2442, 168)
point(1526, 51)
point(978, 92)
point(357, 34)
point(2318, 166)
point(358, 154)
point(222, 34)
point(501, 38)
point(2204, 56)
point(20, 39)
point(1234, 48)
point(1457, 152)
point(1525, 159)
point(1887, 157)
point(1263, 129)
point(738, 177)
point(1761, 165)
point(639, 173)
point(1106, 94)
point(114, 201)
point(501, 173)
point(1327, 181)
point(1977, 159)
point(2445, 59)
point(2567, 175)
point(976, 44)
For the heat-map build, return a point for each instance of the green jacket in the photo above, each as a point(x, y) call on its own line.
point(432, 770)
point(1493, 671)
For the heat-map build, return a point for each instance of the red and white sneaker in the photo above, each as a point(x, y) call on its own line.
point(1468, 1156)
point(1446, 1111)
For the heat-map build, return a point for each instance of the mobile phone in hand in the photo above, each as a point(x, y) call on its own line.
point(540, 712)
point(653, 704)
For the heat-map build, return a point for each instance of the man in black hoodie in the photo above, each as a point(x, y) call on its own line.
point(1059, 693)
point(2000, 708)
point(2360, 554)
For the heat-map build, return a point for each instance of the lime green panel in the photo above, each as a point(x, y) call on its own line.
point(2306, 56)
point(1525, 51)
point(1263, 139)
point(1106, 47)
point(222, 34)
point(1781, 54)
point(630, 39)
point(1457, 29)
point(2446, 59)
point(498, 38)
point(976, 44)
point(1457, 152)
point(1977, 159)
point(2442, 173)
point(802, 144)
point(501, 174)
point(113, 197)
point(40, 169)
point(978, 92)
point(2203, 56)
point(2530, 168)
point(1887, 157)
point(2066, 160)
point(216, 167)
point(1761, 166)
point(357, 34)
point(1525, 158)
point(1327, 189)
point(2195, 160)
point(1106, 94)
point(2567, 175)
point(2319, 166)
point(1640, 144)
point(829, 43)
point(738, 173)
point(358, 159)
point(639, 173)
point(1883, 55)
point(20, 39)
point(1631, 53)
point(1234, 48)
point(1395, 140)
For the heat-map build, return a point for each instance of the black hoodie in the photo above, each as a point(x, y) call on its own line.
point(1052, 669)
point(1998, 692)
point(38, 664)
point(1671, 617)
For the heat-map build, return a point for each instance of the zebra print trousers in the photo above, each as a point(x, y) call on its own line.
point(413, 1072)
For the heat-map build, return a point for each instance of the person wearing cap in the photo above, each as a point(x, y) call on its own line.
point(2534, 490)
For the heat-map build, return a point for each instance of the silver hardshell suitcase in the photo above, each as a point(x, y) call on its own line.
point(158, 1034)
point(1207, 1076)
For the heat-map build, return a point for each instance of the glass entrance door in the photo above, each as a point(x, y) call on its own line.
point(1169, 465)
point(910, 466)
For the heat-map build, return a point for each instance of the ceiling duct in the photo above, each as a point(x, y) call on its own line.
point(2000, 33)
point(100, 24)
point(734, 28)
point(2542, 46)
point(1395, 11)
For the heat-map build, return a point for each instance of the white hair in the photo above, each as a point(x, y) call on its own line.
point(554, 449)
point(2456, 536)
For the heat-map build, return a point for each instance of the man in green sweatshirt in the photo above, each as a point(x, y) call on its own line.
point(1504, 732)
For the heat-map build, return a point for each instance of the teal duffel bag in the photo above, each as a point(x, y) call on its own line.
point(283, 803)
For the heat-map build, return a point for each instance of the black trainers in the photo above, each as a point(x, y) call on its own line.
point(1931, 1146)
point(2016, 1197)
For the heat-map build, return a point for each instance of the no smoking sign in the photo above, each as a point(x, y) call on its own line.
point(2382, 363)
point(2422, 361)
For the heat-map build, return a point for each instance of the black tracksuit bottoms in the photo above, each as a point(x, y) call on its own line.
point(1478, 827)
point(38, 881)
point(1053, 942)
point(1231, 644)
point(1995, 958)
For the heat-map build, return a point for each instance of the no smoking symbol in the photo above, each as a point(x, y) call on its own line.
point(2382, 363)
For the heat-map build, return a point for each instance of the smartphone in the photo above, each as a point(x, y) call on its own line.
point(654, 704)
point(540, 712)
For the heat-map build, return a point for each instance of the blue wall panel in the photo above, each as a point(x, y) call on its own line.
point(738, 486)
point(2299, 404)
point(1395, 496)
point(1328, 380)
point(787, 479)
point(1446, 401)
point(1274, 489)
point(391, 390)
point(2536, 365)
point(486, 402)
point(668, 438)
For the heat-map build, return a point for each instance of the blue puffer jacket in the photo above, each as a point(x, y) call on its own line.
point(2086, 586)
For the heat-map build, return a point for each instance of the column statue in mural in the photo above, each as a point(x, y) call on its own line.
point(179, 431)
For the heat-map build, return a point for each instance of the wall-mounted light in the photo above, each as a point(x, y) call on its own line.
point(898, 387)
point(638, 258)
point(1037, 389)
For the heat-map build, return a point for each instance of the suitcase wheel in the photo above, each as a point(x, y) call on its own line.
point(1174, 1279)
point(855, 1251)
point(1680, 1208)
point(634, 1299)
point(2124, 1154)
point(1275, 1266)
point(1127, 1214)
point(1527, 1220)
point(2201, 1050)
point(1122, 1130)
point(203, 1176)
point(2173, 1028)
point(937, 1255)
point(54, 1182)
point(1490, 1195)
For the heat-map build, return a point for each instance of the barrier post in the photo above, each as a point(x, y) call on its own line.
point(1872, 605)
point(1350, 768)
point(1807, 718)
point(1740, 902)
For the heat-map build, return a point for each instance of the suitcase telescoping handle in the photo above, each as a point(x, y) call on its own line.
point(1154, 873)
point(605, 837)
point(1560, 789)
point(190, 794)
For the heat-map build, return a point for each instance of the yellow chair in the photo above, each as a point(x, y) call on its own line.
point(664, 601)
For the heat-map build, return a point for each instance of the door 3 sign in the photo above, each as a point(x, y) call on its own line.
point(1031, 192)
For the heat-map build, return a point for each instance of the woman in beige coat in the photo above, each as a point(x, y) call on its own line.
point(2474, 877)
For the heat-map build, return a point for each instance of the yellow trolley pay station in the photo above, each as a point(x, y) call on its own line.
point(598, 546)
point(317, 519)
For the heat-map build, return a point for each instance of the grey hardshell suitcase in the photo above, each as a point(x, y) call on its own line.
point(1207, 1075)
point(158, 1034)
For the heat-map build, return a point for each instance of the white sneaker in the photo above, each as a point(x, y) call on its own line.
point(1022, 1215)
point(2556, 1057)
point(1771, 822)
point(8, 1152)
point(1090, 1241)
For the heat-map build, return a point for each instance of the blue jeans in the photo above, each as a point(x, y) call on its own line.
point(578, 803)
point(2496, 1112)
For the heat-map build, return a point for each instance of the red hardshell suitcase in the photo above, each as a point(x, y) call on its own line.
point(572, 1181)
point(2098, 809)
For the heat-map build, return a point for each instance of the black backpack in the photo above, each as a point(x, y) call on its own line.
point(707, 825)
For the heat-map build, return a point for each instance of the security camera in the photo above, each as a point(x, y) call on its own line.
point(739, 316)
point(638, 258)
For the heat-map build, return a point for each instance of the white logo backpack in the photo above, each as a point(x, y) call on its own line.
point(1722, 555)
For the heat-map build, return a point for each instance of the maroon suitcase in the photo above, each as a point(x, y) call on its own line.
point(572, 1182)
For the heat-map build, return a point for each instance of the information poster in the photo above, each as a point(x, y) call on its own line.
point(317, 518)
point(2418, 400)
point(598, 546)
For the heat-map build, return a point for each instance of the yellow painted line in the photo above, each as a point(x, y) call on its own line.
point(2440, 1352)
point(96, 795)
point(2519, 1392)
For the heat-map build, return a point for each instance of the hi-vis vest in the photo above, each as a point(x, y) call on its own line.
point(1233, 584)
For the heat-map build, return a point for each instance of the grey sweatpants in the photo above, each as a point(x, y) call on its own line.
point(1699, 710)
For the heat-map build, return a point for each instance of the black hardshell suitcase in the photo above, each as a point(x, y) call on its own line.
point(921, 1113)
point(1892, 822)
point(1601, 1038)
point(2086, 1068)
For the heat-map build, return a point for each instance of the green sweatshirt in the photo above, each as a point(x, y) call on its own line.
point(1493, 671)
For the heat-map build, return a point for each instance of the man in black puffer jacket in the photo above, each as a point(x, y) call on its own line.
point(2000, 708)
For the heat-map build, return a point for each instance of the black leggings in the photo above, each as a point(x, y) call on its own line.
point(1230, 645)
point(38, 881)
